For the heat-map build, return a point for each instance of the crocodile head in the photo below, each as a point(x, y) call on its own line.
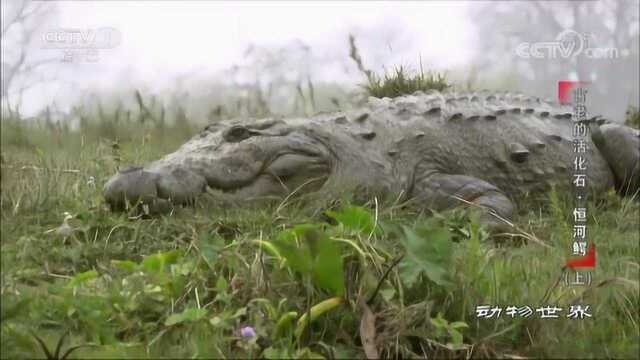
point(244, 159)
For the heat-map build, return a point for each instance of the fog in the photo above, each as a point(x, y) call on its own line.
point(194, 50)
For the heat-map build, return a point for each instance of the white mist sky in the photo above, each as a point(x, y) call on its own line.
point(165, 39)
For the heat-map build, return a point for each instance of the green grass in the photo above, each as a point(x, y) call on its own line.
point(401, 81)
point(184, 285)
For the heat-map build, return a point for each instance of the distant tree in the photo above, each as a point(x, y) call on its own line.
point(608, 24)
point(271, 76)
point(22, 22)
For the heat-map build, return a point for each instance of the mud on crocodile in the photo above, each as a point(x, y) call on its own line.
point(434, 148)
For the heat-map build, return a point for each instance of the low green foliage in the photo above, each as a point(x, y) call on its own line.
point(429, 251)
point(273, 282)
point(316, 256)
point(446, 330)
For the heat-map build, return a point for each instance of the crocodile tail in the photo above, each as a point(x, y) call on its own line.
point(620, 146)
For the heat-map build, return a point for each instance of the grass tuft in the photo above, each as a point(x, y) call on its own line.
point(402, 82)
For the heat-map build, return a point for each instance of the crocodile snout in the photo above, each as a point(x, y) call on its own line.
point(159, 190)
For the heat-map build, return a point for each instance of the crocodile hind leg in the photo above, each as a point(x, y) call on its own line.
point(438, 191)
point(620, 146)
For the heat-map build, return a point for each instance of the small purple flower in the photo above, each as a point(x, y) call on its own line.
point(247, 332)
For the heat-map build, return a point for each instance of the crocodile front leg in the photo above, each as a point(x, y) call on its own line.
point(437, 191)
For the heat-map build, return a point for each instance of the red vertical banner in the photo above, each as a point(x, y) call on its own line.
point(587, 261)
point(565, 88)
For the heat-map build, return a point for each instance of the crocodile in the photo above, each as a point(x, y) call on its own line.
point(437, 149)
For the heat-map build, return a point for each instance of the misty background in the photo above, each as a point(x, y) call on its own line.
point(204, 61)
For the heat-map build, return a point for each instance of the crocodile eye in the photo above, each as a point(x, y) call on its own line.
point(237, 134)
